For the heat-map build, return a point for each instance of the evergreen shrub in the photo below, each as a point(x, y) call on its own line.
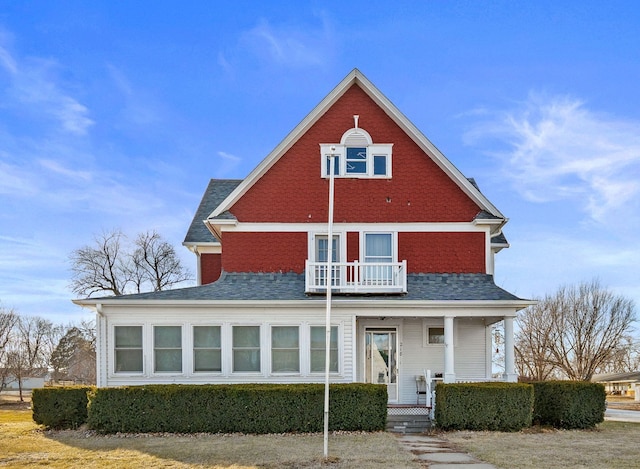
point(246, 408)
point(60, 407)
point(569, 404)
point(484, 406)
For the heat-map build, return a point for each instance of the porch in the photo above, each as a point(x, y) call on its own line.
point(411, 354)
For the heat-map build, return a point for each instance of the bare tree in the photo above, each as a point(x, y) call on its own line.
point(28, 353)
point(103, 267)
point(155, 261)
point(626, 359)
point(113, 266)
point(8, 320)
point(574, 333)
point(532, 342)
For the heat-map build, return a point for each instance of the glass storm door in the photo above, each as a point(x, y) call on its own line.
point(381, 359)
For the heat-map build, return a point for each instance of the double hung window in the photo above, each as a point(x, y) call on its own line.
point(128, 349)
point(318, 347)
point(378, 251)
point(246, 348)
point(167, 343)
point(285, 349)
point(207, 349)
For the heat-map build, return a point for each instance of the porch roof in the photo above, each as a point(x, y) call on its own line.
point(291, 286)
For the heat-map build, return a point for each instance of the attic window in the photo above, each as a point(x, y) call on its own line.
point(356, 156)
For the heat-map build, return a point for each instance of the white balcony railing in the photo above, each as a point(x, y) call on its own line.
point(357, 277)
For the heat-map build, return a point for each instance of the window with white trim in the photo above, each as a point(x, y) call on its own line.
point(356, 156)
point(317, 347)
point(379, 252)
point(167, 348)
point(285, 349)
point(128, 349)
point(207, 349)
point(246, 348)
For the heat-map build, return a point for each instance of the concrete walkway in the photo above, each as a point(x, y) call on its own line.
point(438, 454)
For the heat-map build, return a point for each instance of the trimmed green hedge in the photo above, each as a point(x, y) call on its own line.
point(484, 406)
point(569, 404)
point(250, 408)
point(60, 408)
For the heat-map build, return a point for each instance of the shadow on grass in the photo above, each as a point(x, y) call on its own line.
point(304, 451)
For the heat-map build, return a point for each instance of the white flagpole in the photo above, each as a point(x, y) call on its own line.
point(329, 280)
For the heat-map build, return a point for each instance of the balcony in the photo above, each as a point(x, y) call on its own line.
point(357, 277)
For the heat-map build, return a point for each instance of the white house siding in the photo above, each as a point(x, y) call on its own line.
point(147, 317)
point(418, 356)
point(470, 348)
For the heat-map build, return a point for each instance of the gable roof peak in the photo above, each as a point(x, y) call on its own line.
point(356, 77)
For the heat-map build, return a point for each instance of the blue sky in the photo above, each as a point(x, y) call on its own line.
point(116, 115)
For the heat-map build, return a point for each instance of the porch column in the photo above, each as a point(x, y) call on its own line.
point(509, 352)
point(449, 371)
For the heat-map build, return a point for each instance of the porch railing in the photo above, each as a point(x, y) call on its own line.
point(357, 277)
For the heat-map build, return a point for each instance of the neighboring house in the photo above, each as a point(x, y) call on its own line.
point(34, 380)
point(622, 384)
point(413, 249)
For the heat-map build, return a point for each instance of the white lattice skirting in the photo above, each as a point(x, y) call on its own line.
point(407, 411)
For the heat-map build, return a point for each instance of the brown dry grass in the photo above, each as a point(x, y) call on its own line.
point(612, 444)
point(23, 443)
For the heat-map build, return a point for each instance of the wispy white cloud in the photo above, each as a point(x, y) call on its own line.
point(545, 258)
point(555, 148)
point(58, 168)
point(34, 89)
point(139, 108)
point(226, 164)
point(16, 181)
point(7, 61)
point(289, 45)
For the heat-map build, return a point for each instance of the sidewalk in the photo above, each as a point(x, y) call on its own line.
point(438, 454)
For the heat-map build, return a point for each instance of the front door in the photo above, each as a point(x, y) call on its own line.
point(381, 359)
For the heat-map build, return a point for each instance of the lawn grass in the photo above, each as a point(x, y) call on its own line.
point(23, 443)
point(611, 444)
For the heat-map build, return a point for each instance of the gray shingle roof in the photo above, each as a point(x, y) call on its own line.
point(484, 215)
point(291, 286)
point(217, 190)
point(499, 239)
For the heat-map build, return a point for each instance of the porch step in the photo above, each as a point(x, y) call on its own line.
point(408, 423)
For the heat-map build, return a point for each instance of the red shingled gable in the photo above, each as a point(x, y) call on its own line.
point(293, 191)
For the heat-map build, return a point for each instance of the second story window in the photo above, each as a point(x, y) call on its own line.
point(356, 156)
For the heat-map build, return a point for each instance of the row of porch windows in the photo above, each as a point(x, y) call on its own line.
point(207, 349)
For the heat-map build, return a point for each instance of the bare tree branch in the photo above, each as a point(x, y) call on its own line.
point(114, 267)
point(157, 262)
point(575, 333)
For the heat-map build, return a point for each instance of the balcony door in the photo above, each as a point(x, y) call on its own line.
point(381, 359)
point(322, 255)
